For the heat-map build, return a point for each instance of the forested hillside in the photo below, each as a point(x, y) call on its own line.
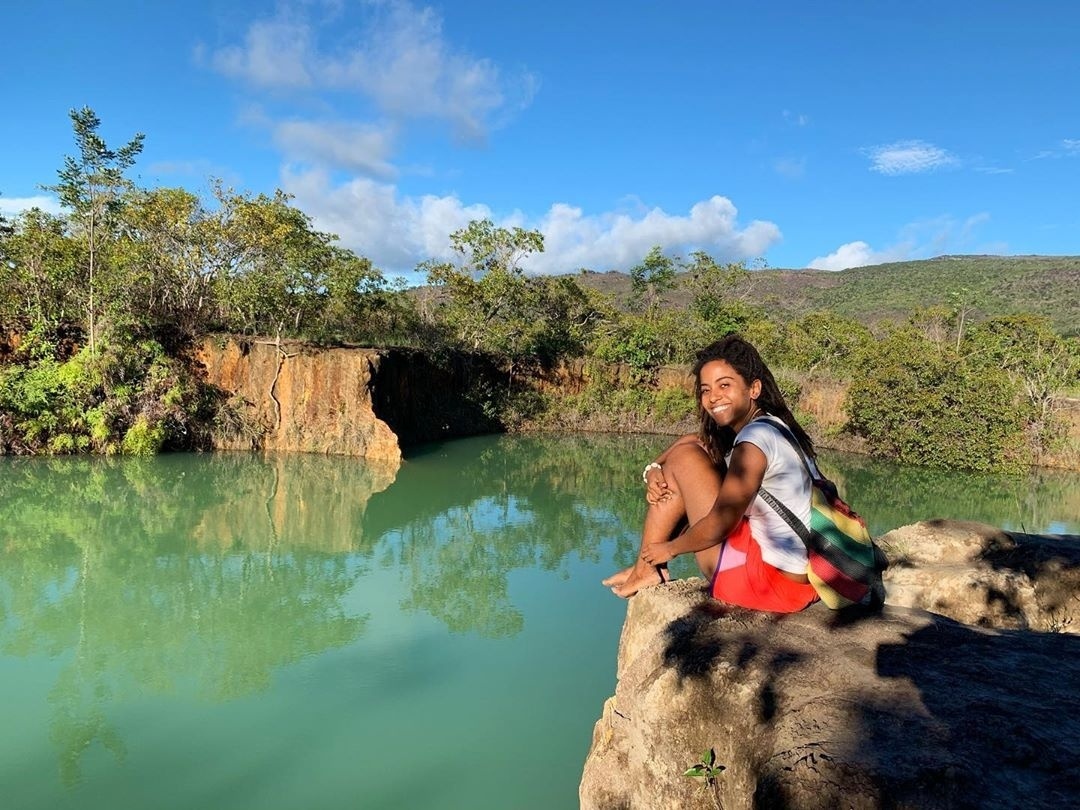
point(986, 285)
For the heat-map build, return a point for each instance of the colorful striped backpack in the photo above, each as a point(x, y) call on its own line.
point(844, 562)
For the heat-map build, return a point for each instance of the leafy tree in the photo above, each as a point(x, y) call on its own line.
point(1039, 360)
point(6, 232)
point(714, 300)
point(565, 316)
point(40, 272)
point(832, 341)
point(92, 186)
point(277, 275)
point(964, 303)
point(488, 299)
point(650, 280)
point(171, 257)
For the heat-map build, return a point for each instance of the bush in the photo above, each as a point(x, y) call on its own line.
point(917, 401)
point(143, 439)
point(128, 396)
point(673, 405)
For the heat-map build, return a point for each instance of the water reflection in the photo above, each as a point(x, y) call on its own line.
point(139, 576)
point(889, 495)
point(205, 576)
point(521, 503)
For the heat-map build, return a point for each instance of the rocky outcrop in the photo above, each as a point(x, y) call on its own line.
point(904, 709)
point(368, 402)
point(346, 401)
point(983, 576)
point(294, 397)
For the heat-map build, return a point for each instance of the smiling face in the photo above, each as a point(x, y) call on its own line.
point(726, 396)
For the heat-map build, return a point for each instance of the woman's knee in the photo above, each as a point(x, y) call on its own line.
point(689, 463)
point(691, 475)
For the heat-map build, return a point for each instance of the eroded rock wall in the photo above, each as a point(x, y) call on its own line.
point(298, 398)
point(347, 401)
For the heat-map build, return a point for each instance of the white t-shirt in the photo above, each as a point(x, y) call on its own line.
point(787, 479)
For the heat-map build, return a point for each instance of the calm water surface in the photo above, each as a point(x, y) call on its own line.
point(235, 631)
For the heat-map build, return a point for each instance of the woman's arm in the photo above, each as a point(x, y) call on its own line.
point(744, 476)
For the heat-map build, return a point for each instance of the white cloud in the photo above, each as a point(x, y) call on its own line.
point(406, 66)
point(916, 240)
point(275, 54)
point(1067, 147)
point(618, 240)
point(371, 218)
point(799, 119)
point(12, 206)
point(908, 157)
point(361, 148)
point(857, 254)
point(400, 62)
point(398, 232)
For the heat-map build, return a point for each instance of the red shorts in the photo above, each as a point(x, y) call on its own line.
point(742, 578)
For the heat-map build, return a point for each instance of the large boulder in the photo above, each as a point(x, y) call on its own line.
point(984, 576)
point(902, 709)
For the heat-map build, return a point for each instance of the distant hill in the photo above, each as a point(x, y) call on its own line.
point(996, 285)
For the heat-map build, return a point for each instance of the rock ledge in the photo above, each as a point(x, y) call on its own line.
point(905, 709)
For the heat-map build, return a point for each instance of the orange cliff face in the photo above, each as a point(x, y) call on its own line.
point(299, 398)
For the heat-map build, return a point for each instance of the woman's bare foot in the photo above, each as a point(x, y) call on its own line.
point(618, 578)
point(639, 579)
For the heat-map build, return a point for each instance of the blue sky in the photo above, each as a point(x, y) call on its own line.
point(825, 134)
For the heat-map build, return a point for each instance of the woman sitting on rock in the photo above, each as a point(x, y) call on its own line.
point(748, 552)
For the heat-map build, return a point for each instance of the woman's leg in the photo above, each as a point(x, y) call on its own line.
point(693, 484)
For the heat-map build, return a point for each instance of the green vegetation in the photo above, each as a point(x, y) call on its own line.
point(956, 361)
point(986, 286)
point(708, 771)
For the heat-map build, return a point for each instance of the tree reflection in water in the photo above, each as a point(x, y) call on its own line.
point(142, 576)
point(890, 495)
point(523, 503)
point(206, 575)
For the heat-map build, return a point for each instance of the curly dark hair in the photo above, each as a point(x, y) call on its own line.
point(741, 355)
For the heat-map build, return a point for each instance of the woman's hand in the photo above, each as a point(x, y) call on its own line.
point(657, 553)
point(656, 490)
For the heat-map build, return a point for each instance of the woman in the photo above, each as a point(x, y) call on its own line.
point(710, 481)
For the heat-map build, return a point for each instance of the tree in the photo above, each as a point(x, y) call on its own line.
point(92, 187)
point(832, 341)
point(919, 402)
point(39, 272)
point(171, 259)
point(650, 280)
point(713, 285)
point(488, 299)
point(6, 231)
point(714, 302)
point(1041, 362)
point(965, 302)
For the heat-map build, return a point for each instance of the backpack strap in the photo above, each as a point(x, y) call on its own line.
point(785, 431)
point(797, 526)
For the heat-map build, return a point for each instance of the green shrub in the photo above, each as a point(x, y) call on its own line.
point(143, 439)
point(673, 404)
point(917, 401)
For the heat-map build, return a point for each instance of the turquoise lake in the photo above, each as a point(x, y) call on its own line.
point(293, 631)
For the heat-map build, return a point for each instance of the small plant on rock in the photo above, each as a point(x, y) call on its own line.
point(708, 771)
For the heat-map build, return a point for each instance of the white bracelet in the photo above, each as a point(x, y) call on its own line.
point(652, 465)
